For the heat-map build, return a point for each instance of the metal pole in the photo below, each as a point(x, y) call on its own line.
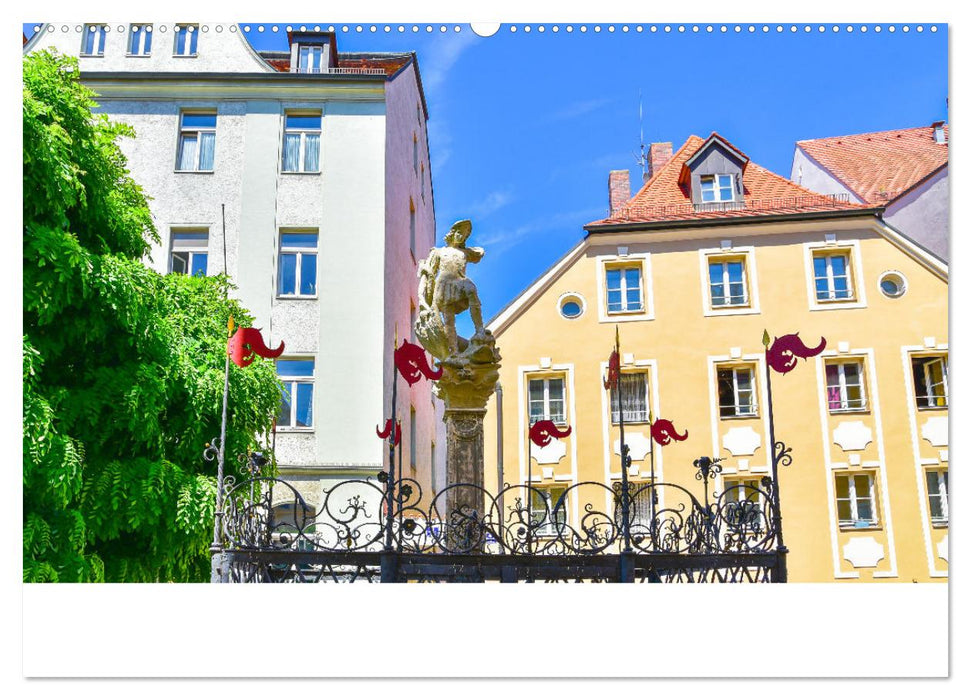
point(624, 499)
point(218, 515)
point(389, 517)
point(500, 474)
point(529, 492)
point(777, 515)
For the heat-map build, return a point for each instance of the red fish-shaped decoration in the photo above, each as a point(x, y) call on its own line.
point(542, 432)
point(384, 434)
point(411, 362)
point(783, 354)
point(663, 432)
point(246, 343)
point(613, 371)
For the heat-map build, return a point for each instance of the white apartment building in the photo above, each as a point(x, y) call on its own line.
point(321, 160)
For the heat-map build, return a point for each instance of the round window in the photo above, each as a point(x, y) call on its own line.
point(571, 306)
point(893, 284)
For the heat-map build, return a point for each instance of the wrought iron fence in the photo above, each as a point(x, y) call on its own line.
point(374, 529)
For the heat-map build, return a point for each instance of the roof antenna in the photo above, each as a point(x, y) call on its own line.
point(642, 158)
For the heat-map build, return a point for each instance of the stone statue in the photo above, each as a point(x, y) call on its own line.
point(444, 291)
point(470, 371)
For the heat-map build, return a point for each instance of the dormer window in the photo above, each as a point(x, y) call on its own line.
point(717, 188)
point(309, 59)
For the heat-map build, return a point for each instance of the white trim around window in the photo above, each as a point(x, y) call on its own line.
point(750, 279)
point(139, 42)
point(93, 40)
point(856, 500)
point(851, 248)
point(298, 385)
point(848, 377)
point(647, 287)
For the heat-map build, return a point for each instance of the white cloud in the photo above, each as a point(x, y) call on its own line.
point(578, 109)
point(492, 202)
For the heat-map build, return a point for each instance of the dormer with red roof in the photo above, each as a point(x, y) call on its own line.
point(712, 177)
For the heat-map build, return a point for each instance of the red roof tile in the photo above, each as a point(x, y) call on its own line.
point(662, 198)
point(882, 165)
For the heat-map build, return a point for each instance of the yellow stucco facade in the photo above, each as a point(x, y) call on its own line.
point(865, 496)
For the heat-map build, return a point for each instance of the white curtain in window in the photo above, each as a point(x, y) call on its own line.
point(187, 160)
point(635, 399)
point(312, 153)
point(291, 152)
point(207, 150)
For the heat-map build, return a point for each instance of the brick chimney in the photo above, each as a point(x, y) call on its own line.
point(618, 185)
point(658, 156)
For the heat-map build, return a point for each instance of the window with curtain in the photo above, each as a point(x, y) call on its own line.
point(844, 386)
point(93, 40)
point(139, 39)
point(301, 143)
point(190, 252)
point(197, 142)
point(634, 390)
point(186, 39)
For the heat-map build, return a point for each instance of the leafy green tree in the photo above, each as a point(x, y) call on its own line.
point(123, 367)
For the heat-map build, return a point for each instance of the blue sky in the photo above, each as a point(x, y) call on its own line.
point(524, 127)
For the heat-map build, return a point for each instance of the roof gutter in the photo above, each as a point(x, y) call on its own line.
point(115, 76)
point(729, 221)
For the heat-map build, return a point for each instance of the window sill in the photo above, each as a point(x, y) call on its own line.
point(628, 312)
point(296, 297)
point(863, 528)
point(932, 408)
point(92, 55)
point(300, 172)
point(639, 421)
point(739, 417)
point(840, 411)
point(294, 430)
point(138, 55)
point(181, 55)
point(940, 524)
point(195, 172)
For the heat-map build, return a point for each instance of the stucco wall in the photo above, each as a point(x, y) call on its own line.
point(405, 122)
point(677, 348)
point(811, 175)
point(221, 48)
point(924, 214)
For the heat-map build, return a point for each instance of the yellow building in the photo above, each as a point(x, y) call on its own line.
point(710, 252)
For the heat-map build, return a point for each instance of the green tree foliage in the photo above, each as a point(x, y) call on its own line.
point(123, 367)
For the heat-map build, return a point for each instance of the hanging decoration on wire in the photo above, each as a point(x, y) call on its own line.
point(410, 360)
point(246, 343)
point(613, 371)
point(541, 433)
point(784, 352)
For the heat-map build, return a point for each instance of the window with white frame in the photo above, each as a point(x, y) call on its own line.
point(717, 188)
point(633, 386)
point(624, 293)
point(297, 270)
point(844, 386)
point(736, 391)
point(743, 501)
point(547, 400)
point(297, 406)
point(190, 252)
point(832, 278)
point(856, 500)
point(93, 40)
point(727, 284)
point(140, 40)
point(197, 142)
point(930, 380)
point(937, 495)
point(547, 510)
point(310, 59)
point(186, 39)
point(301, 143)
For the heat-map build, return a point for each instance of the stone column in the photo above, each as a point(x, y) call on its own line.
point(465, 387)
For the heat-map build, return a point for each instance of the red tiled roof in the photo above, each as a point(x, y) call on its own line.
point(882, 165)
point(662, 198)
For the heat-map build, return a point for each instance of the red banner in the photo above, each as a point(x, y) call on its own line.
point(663, 432)
point(410, 360)
point(786, 351)
point(246, 343)
point(542, 432)
point(383, 434)
point(613, 371)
